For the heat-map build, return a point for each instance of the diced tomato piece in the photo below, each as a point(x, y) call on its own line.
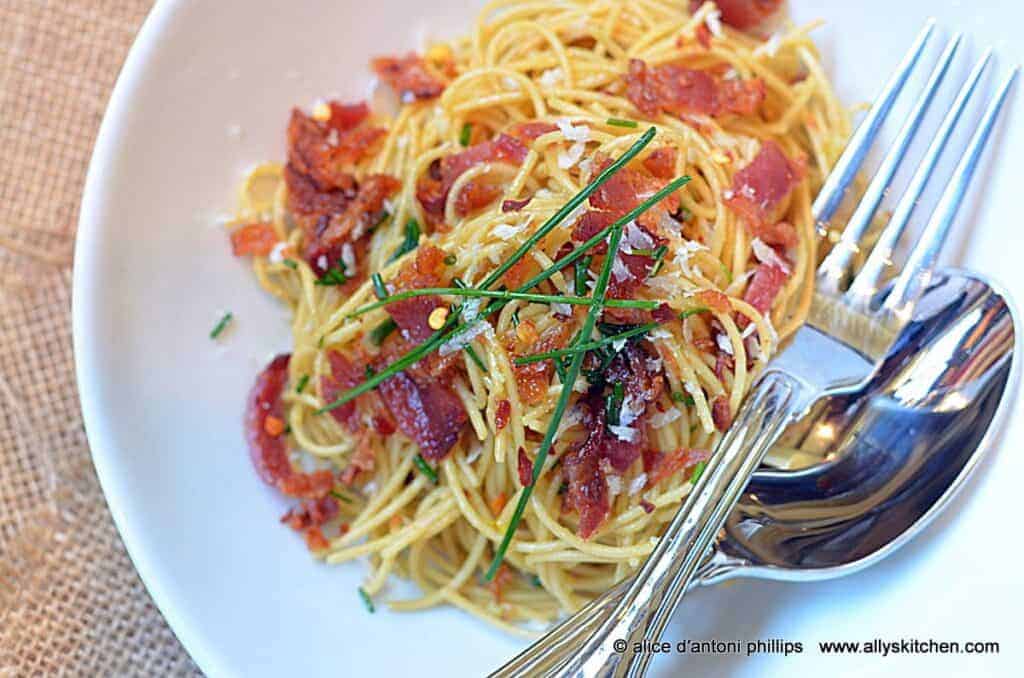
point(258, 239)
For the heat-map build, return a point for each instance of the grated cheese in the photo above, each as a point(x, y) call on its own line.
point(637, 484)
point(624, 433)
point(664, 418)
point(277, 254)
point(766, 255)
point(713, 21)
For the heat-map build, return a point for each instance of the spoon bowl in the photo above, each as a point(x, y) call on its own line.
point(896, 449)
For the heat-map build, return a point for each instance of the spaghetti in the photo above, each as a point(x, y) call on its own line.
point(525, 306)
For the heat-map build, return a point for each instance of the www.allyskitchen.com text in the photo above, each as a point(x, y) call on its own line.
point(780, 646)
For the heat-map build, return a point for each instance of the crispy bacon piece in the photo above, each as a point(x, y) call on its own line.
point(532, 380)
point(268, 452)
point(425, 270)
point(667, 464)
point(742, 14)
point(515, 205)
point(427, 411)
point(587, 490)
point(678, 90)
point(525, 468)
point(528, 131)
point(432, 190)
point(311, 513)
point(720, 413)
point(309, 203)
point(364, 459)
point(715, 300)
point(662, 162)
point(761, 189)
point(348, 373)
point(764, 287)
point(363, 212)
point(502, 413)
point(780, 234)
point(408, 76)
point(325, 151)
point(258, 239)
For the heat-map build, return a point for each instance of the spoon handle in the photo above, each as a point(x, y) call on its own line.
point(638, 609)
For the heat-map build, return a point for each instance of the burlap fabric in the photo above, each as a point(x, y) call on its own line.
point(70, 600)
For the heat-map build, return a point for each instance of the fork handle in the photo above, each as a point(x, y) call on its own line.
point(647, 601)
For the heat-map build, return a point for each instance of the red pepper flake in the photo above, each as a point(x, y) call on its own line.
point(502, 414)
point(273, 426)
point(525, 469)
point(515, 205)
point(258, 239)
point(647, 506)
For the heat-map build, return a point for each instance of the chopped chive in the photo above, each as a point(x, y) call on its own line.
point(287, 429)
point(303, 380)
point(659, 259)
point(221, 325)
point(563, 488)
point(340, 497)
point(535, 580)
point(684, 398)
point(613, 404)
point(411, 242)
point(686, 214)
point(336, 275)
point(379, 333)
point(369, 372)
point(290, 263)
point(697, 471)
point(424, 467)
point(515, 318)
point(465, 134)
point(461, 290)
point(475, 357)
point(620, 122)
point(367, 601)
point(378, 286)
point(320, 344)
point(693, 311)
point(450, 260)
point(727, 272)
point(451, 329)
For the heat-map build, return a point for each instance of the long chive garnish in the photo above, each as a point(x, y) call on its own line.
point(450, 328)
point(500, 294)
point(221, 325)
point(582, 266)
point(589, 346)
point(411, 242)
point(563, 398)
point(424, 467)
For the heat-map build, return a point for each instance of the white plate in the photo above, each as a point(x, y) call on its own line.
point(163, 403)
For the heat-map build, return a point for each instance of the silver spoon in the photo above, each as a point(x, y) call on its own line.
point(898, 448)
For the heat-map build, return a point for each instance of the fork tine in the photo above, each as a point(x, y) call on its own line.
point(869, 278)
point(836, 268)
point(849, 162)
point(917, 272)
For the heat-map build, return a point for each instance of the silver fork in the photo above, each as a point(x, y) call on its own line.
point(853, 321)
